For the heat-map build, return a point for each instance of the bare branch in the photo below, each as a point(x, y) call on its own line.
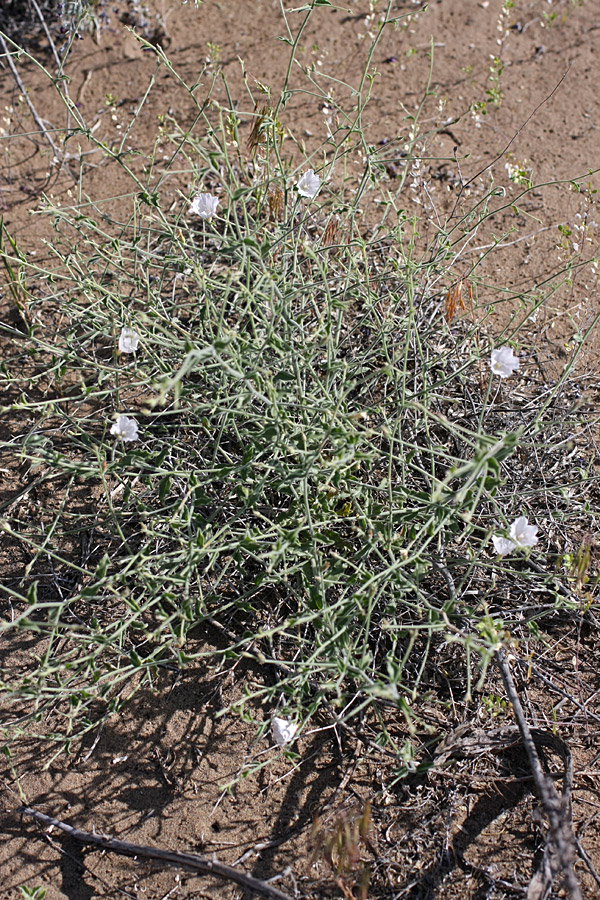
point(561, 848)
point(189, 861)
point(23, 89)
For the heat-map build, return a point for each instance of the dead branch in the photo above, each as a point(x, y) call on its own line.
point(23, 89)
point(190, 861)
point(561, 848)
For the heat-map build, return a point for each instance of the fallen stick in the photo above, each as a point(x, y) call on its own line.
point(561, 848)
point(190, 861)
point(43, 130)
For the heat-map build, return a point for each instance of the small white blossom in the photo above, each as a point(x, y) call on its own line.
point(283, 731)
point(309, 184)
point(504, 362)
point(502, 545)
point(125, 428)
point(521, 534)
point(128, 340)
point(204, 205)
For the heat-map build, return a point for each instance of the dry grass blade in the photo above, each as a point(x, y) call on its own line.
point(455, 298)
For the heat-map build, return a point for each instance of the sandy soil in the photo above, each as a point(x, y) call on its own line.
point(157, 773)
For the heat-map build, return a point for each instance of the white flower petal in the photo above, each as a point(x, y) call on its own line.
point(125, 428)
point(204, 205)
point(309, 184)
point(522, 533)
point(283, 731)
point(503, 362)
point(502, 545)
point(128, 340)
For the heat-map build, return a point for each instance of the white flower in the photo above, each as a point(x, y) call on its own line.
point(520, 534)
point(309, 184)
point(283, 731)
point(128, 340)
point(204, 205)
point(125, 428)
point(504, 362)
point(503, 545)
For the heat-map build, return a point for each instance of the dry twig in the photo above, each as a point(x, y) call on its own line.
point(190, 861)
point(43, 130)
point(561, 847)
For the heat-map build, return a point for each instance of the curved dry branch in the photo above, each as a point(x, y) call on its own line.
point(561, 847)
point(190, 861)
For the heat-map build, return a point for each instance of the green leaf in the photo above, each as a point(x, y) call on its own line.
point(164, 488)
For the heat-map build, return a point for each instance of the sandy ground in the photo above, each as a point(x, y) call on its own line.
point(157, 773)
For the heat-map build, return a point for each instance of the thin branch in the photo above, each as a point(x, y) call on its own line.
point(49, 37)
point(587, 861)
point(561, 847)
point(58, 60)
point(189, 861)
point(512, 140)
point(23, 90)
